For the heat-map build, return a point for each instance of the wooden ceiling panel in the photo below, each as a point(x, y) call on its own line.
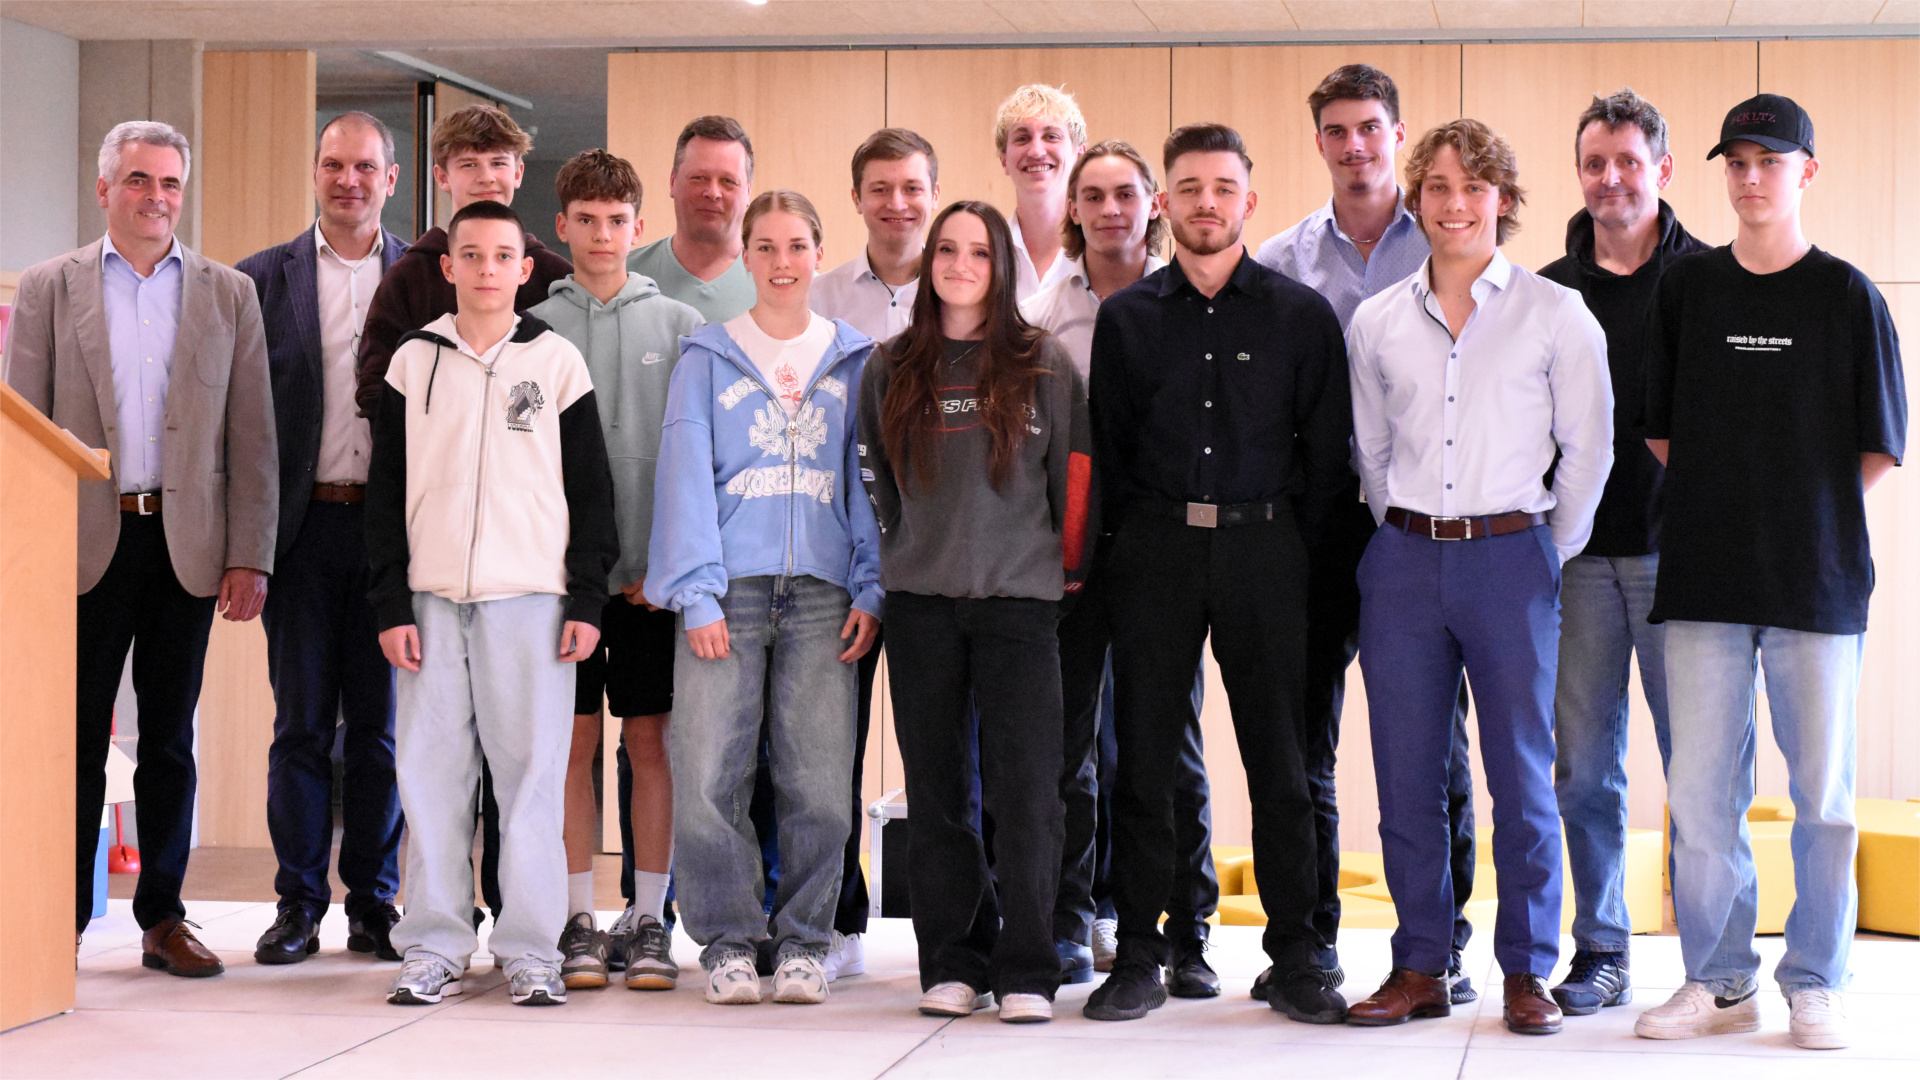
point(1804, 12)
point(1220, 16)
point(1364, 14)
point(1630, 13)
point(1507, 14)
point(1100, 20)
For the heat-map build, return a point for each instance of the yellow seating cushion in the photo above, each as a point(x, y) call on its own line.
point(1888, 866)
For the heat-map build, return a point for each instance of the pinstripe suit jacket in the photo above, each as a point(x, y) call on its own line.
point(287, 279)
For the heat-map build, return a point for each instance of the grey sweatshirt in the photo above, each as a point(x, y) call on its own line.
point(959, 537)
point(631, 346)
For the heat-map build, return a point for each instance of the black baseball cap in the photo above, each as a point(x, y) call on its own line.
point(1770, 120)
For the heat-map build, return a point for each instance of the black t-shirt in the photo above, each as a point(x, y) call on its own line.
point(1770, 387)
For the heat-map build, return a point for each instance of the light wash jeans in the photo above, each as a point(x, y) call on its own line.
point(490, 682)
point(1603, 622)
point(782, 668)
point(1812, 683)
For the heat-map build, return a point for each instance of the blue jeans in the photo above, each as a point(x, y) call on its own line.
point(1812, 683)
point(783, 666)
point(1603, 622)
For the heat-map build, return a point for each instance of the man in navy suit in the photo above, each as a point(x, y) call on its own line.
point(323, 651)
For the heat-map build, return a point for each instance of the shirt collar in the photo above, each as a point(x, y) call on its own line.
point(322, 247)
point(173, 253)
point(1401, 217)
point(1079, 273)
point(1242, 278)
point(1497, 275)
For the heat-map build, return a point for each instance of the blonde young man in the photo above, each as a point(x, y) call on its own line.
point(1039, 134)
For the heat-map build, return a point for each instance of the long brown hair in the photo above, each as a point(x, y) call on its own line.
point(910, 414)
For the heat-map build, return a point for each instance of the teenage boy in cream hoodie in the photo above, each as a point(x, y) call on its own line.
point(630, 335)
point(490, 534)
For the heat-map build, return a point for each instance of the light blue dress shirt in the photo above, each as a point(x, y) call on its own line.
point(1317, 254)
point(1469, 428)
point(143, 316)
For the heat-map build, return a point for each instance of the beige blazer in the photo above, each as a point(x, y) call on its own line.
point(220, 481)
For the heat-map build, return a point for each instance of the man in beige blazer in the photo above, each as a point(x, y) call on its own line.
point(147, 349)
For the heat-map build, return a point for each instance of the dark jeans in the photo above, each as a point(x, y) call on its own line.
point(991, 929)
point(140, 605)
point(1090, 759)
point(1430, 608)
point(1333, 640)
point(323, 657)
point(850, 916)
point(1172, 584)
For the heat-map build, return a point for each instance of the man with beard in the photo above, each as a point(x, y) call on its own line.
point(1221, 422)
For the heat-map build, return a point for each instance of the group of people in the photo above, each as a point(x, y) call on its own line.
point(469, 481)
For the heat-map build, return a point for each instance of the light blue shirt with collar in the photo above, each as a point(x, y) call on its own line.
point(1315, 253)
point(143, 316)
point(1468, 428)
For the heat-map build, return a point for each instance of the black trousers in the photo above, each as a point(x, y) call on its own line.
point(1090, 758)
point(140, 605)
point(324, 659)
point(1174, 583)
point(850, 914)
point(949, 656)
point(1333, 640)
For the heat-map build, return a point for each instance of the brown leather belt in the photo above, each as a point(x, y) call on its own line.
point(143, 503)
point(1462, 528)
point(340, 493)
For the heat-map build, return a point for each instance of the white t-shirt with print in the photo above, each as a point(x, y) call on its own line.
point(786, 366)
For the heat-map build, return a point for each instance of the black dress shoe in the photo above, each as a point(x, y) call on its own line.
point(291, 939)
point(372, 932)
point(1131, 992)
point(1076, 961)
point(1188, 973)
point(1303, 995)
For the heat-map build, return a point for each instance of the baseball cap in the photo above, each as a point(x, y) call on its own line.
point(1771, 120)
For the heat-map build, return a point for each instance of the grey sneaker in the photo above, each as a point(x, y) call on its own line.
point(536, 982)
point(583, 951)
point(650, 963)
point(800, 980)
point(619, 936)
point(1106, 943)
point(423, 981)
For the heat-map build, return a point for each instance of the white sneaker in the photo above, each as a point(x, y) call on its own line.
point(733, 982)
point(846, 955)
point(1106, 943)
point(1819, 1019)
point(1693, 1011)
point(953, 999)
point(1025, 1009)
point(800, 980)
point(423, 981)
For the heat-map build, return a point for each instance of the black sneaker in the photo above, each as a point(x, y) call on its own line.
point(1596, 981)
point(1131, 992)
point(1460, 989)
point(1332, 976)
point(372, 932)
point(1303, 995)
point(1188, 973)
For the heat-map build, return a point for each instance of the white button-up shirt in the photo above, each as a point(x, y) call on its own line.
point(1032, 281)
point(1066, 309)
point(854, 293)
point(1315, 253)
point(346, 290)
point(1469, 428)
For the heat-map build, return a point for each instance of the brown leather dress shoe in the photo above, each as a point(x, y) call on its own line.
point(1530, 1009)
point(172, 948)
point(1406, 995)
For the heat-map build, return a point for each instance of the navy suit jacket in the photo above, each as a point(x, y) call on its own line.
point(287, 279)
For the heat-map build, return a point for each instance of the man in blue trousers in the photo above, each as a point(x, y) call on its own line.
point(323, 651)
point(1468, 378)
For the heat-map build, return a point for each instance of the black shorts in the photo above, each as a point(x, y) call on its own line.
point(633, 667)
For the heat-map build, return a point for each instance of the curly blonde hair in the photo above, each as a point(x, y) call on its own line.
point(1483, 154)
point(1039, 99)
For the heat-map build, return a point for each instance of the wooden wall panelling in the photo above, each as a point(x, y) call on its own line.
point(952, 95)
point(235, 730)
point(1262, 92)
point(1533, 94)
point(1865, 204)
point(804, 111)
point(256, 150)
point(1889, 753)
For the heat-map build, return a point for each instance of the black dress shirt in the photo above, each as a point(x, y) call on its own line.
point(1241, 397)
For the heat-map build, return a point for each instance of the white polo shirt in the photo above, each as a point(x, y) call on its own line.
point(1066, 309)
point(854, 293)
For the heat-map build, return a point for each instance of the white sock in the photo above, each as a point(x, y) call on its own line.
point(580, 894)
point(650, 894)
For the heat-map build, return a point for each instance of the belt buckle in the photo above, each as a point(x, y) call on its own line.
point(1433, 529)
point(1204, 515)
point(140, 504)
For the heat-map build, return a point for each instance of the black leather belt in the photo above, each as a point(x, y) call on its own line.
point(1211, 516)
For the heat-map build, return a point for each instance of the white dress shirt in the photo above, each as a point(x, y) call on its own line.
point(1315, 253)
point(346, 290)
point(1469, 428)
point(1066, 309)
point(1032, 281)
point(854, 293)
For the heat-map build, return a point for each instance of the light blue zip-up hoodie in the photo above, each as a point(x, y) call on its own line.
point(742, 490)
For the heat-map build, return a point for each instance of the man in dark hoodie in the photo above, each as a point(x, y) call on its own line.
point(1616, 250)
point(478, 153)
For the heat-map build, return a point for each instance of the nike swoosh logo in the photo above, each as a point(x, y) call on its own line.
point(653, 358)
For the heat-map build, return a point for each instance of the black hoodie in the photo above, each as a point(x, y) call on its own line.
point(1628, 520)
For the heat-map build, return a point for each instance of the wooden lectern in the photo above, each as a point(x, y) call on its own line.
point(41, 467)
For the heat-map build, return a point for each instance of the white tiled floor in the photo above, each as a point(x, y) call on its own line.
point(327, 1017)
